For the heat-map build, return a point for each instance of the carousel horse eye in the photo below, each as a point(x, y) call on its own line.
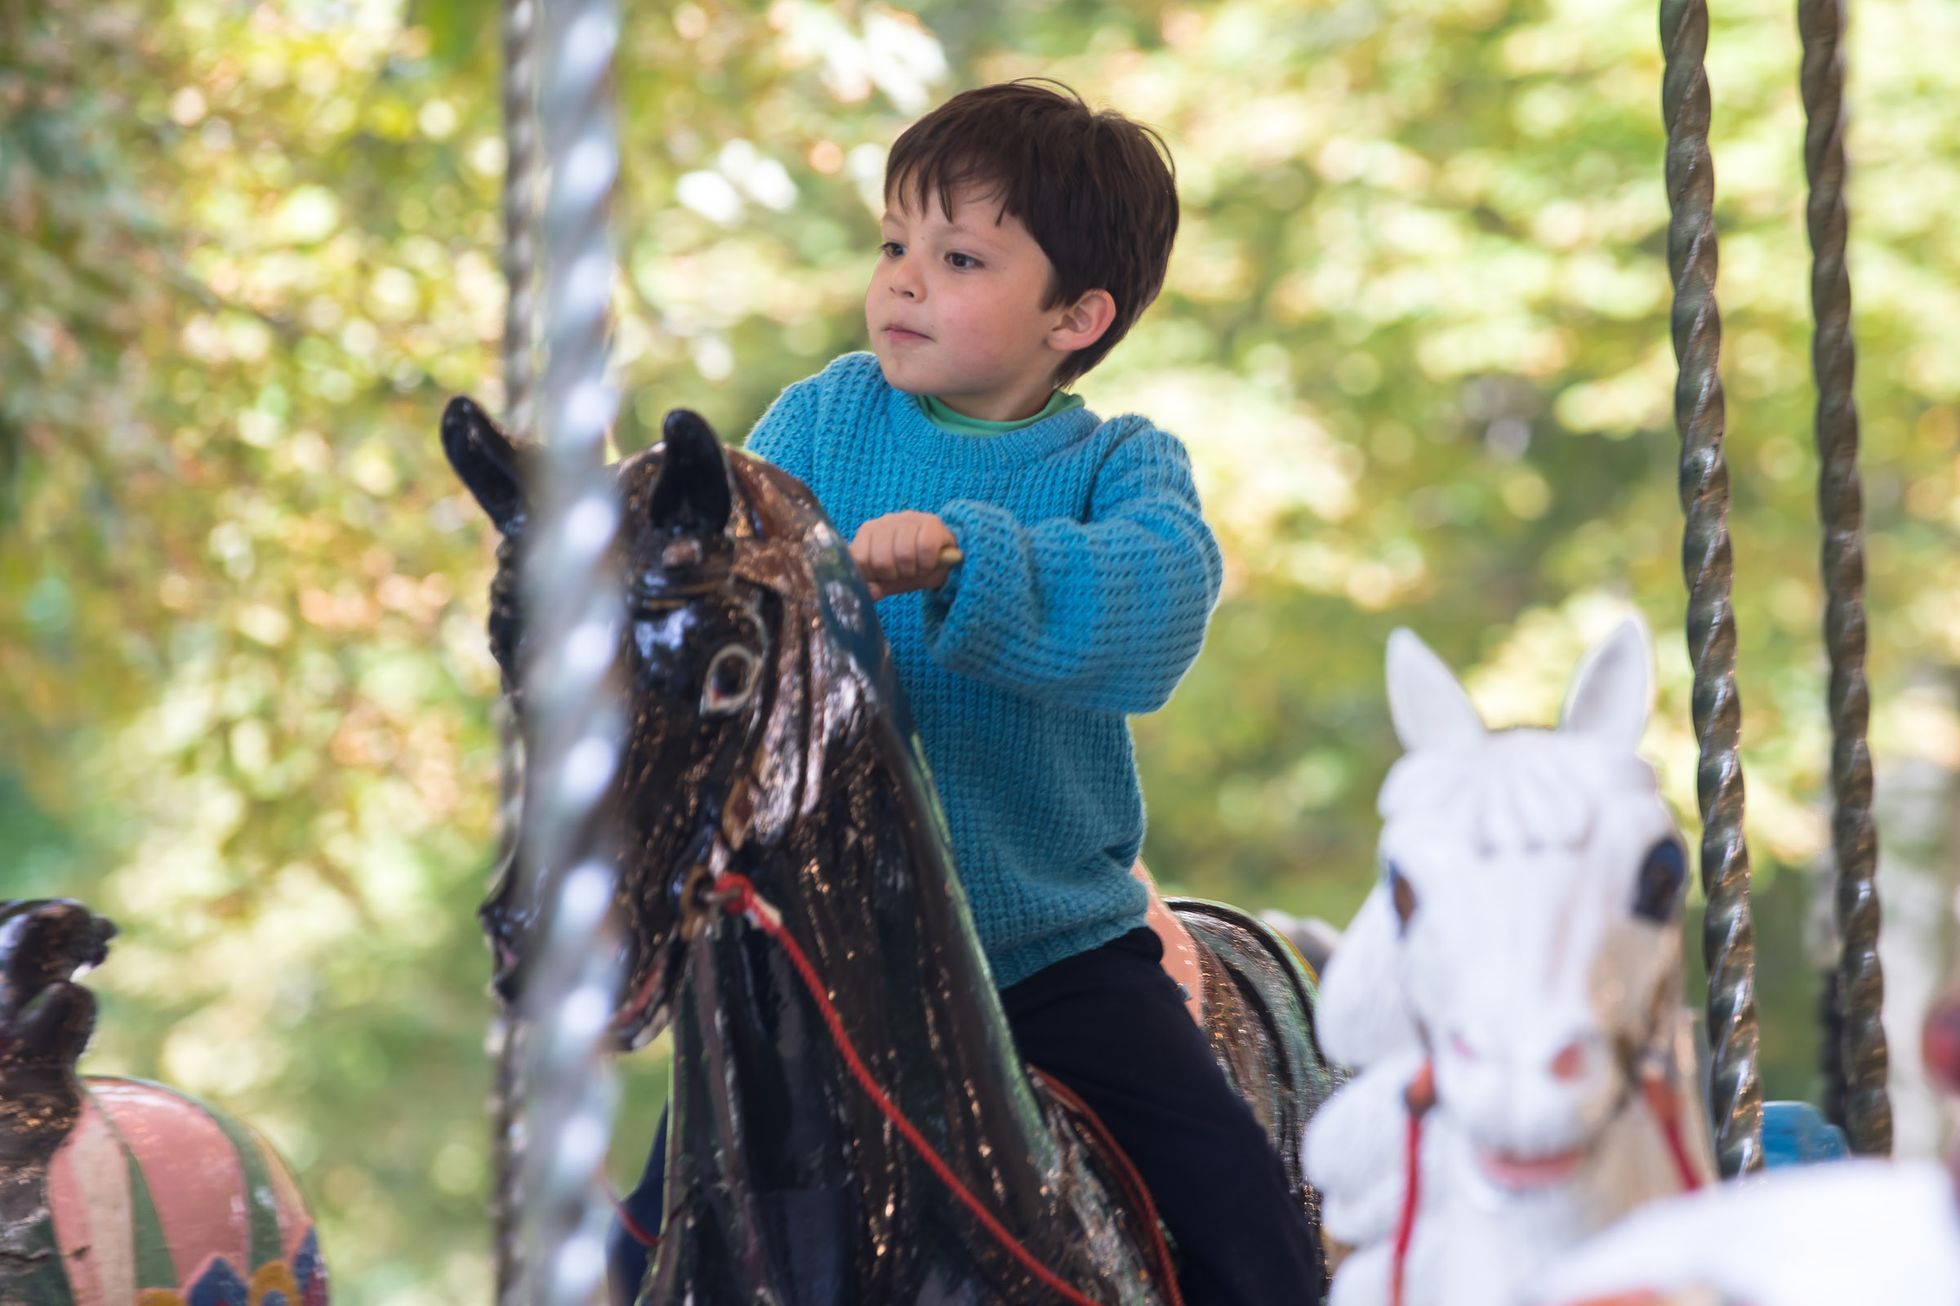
point(1401, 893)
point(731, 681)
point(1657, 893)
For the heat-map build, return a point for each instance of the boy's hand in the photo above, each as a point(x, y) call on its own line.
point(904, 551)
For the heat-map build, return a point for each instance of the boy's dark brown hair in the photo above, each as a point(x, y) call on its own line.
point(1096, 191)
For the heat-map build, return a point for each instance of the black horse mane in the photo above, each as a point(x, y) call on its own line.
point(784, 541)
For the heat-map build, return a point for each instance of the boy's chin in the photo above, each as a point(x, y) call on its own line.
point(898, 379)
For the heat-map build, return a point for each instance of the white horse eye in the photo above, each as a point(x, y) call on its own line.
point(1657, 893)
point(1400, 892)
point(730, 682)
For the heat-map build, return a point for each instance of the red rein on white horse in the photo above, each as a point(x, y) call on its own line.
point(1657, 1089)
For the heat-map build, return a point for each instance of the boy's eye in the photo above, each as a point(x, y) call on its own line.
point(963, 261)
point(891, 249)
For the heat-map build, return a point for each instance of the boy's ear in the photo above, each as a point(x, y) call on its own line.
point(1082, 323)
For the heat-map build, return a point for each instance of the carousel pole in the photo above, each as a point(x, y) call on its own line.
point(573, 710)
point(1728, 935)
point(1855, 1066)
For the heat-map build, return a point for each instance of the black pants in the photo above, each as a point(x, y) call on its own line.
point(1111, 1025)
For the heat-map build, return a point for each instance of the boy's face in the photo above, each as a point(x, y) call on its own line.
point(955, 307)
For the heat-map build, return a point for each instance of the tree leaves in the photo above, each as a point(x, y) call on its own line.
point(1414, 334)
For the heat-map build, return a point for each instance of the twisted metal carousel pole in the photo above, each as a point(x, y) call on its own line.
point(1728, 938)
point(1856, 1066)
point(572, 706)
point(520, 262)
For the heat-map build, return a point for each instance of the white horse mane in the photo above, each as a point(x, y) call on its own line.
point(1516, 790)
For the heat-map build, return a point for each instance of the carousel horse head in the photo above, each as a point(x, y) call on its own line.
point(45, 1017)
point(45, 1020)
point(748, 647)
point(1535, 879)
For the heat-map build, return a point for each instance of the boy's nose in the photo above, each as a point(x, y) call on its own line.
point(903, 280)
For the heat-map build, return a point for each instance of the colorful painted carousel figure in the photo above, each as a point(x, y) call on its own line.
point(117, 1191)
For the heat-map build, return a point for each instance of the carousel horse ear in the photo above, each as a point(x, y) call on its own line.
point(1428, 706)
point(487, 462)
point(691, 497)
point(1613, 689)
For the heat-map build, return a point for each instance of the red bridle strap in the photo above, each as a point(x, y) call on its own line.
point(1663, 1098)
point(1657, 1090)
point(650, 1241)
point(1419, 1097)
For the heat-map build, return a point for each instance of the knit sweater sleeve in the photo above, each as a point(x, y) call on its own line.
point(1105, 614)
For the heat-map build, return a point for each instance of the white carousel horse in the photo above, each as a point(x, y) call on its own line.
point(1522, 956)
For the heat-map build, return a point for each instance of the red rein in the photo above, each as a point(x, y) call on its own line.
point(1656, 1090)
point(1419, 1096)
point(1665, 1103)
point(742, 901)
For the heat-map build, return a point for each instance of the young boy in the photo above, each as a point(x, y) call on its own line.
point(1023, 236)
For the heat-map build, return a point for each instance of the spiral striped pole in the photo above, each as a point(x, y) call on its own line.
point(1728, 938)
point(1856, 1068)
point(572, 609)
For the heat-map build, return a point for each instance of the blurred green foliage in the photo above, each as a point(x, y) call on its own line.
point(1414, 332)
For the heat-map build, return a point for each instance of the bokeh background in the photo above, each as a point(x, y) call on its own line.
point(1414, 333)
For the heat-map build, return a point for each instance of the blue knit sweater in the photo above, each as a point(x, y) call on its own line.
point(1088, 578)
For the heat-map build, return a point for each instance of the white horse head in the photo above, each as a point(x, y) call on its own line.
point(1536, 878)
point(1524, 943)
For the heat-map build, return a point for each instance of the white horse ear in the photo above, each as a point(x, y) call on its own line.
point(1613, 689)
point(1428, 706)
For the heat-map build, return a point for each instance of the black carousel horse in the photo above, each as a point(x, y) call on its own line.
point(769, 740)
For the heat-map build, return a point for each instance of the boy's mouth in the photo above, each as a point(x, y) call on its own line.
point(900, 335)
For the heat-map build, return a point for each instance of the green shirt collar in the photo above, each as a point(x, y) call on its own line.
point(960, 424)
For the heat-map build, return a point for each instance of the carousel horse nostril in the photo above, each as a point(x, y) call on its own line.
point(1570, 1062)
point(104, 930)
